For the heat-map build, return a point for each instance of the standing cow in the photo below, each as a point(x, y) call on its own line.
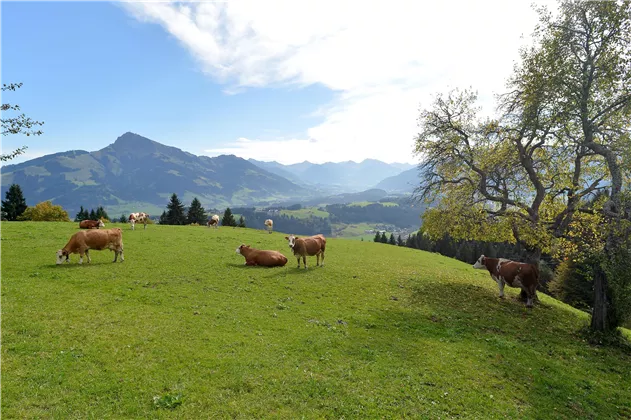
point(270, 225)
point(303, 247)
point(214, 221)
point(138, 218)
point(85, 240)
point(513, 273)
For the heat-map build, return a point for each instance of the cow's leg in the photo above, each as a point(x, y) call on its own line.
point(322, 259)
point(298, 258)
point(531, 294)
point(317, 260)
point(500, 285)
point(132, 225)
point(81, 252)
point(145, 225)
point(121, 253)
point(304, 260)
point(87, 254)
point(115, 255)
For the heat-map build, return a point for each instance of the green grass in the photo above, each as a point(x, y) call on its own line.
point(365, 203)
point(183, 329)
point(305, 213)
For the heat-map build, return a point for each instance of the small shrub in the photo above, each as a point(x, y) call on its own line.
point(45, 212)
point(573, 284)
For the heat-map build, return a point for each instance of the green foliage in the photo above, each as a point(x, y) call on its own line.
point(16, 125)
point(228, 218)
point(45, 212)
point(392, 241)
point(196, 213)
point(573, 284)
point(101, 214)
point(82, 214)
point(377, 236)
point(167, 401)
point(400, 241)
point(241, 222)
point(175, 212)
point(250, 342)
point(384, 238)
point(14, 204)
point(122, 219)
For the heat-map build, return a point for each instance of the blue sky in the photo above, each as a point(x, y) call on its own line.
point(268, 80)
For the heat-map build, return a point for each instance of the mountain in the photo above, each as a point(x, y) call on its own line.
point(334, 178)
point(135, 173)
point(404, 182)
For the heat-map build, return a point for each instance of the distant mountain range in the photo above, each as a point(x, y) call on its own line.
point(138, 174)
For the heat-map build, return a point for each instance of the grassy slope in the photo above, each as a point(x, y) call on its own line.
point(380, 331)
point(305, 213)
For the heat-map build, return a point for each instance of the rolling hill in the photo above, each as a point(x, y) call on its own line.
point(379, 332)
point(404, 182)
point(136, 173)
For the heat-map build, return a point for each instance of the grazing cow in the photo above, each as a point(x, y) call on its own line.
point(214, 221)
point(270, 225)
point(513, 273)
point(140, 218)
point(84, 240)
point(265, 258)
point(91, 224)
point(313, 245)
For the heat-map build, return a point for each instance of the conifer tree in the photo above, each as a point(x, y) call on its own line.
point(377, 237)
point(241, 222)
point(196, 213)
point(175, 211)
point(392, 241)
point(15, 204)
point(228, 218)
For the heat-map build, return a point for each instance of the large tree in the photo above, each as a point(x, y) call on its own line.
point(14, 203)
point(228, 218)
point(563, 134)
point(16, 125)
point(175, 212)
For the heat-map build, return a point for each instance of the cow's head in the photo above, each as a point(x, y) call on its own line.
point(131, 217)
point(239, 249)
point(480, 262)
point(101, 224)
point(292, 240)
point(60, 256)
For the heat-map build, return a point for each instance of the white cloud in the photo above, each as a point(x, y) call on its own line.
point(382, 58)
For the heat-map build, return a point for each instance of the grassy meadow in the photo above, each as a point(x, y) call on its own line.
point(183, 329)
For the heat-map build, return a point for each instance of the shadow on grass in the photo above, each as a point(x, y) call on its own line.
point(536, 354)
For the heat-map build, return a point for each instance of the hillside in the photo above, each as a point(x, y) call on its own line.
point(379, 332)
point(405, 182)
point(139, 170)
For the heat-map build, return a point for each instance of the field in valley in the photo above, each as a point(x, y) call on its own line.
point(182, 328)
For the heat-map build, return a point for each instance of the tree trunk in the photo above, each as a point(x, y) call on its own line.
point(533, 256)
point(600, 313)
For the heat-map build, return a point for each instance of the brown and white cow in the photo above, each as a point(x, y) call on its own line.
point(85, 240)
point(310, 246)
point(265, 258)
point(91, 224)
point(138, 218)
point(213, 221)
point(270, 225)
point(513, 273)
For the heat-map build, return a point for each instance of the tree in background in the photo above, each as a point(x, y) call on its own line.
point(122, 219)
point(377, 237)
point(163, 218)
point(196, 213)
point(392, 241)
point(82, 215)
point(101, 213)
point(92, 215)
point(175, 212)
point(241, 222)
point(45, 212)
point(14, 204)
point(400, 241)
point(384, 238)
point(16, 125)
point(228, 218)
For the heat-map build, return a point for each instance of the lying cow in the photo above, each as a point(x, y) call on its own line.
point(85, 240)
point(303, 247)
point(138, 218)
point(270, 225)
point(265, 258)
point(91, 224)
point(214, 221)
point(513, 273)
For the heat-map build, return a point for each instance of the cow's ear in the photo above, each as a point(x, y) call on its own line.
point(286, 238)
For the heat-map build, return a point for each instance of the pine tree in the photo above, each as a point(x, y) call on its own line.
point(377, 237)
point(196, 213)
point(80, 215)
point(101, 213)
point(392, 241)
point(400, 241)
point(92, 215)
point(163, 218)
point(228, 218)
point(241, 222)
point(15, 204)
point(384, 238)
point(175, 211)
point(122, 219)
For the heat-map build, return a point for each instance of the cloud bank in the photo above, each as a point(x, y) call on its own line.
point(383, 60)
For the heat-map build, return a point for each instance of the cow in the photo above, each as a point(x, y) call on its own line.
point(261, 257)
point(270, 225)
point(214, 221)
point(91, 224)
point(85, 240)
point(310, 246)
point(513, 273)
point(140, 218)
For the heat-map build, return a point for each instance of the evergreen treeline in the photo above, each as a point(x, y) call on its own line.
point(402, 215)
point(83, 214)
point(289, 224)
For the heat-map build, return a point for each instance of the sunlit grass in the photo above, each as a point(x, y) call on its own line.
point(182, 328)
